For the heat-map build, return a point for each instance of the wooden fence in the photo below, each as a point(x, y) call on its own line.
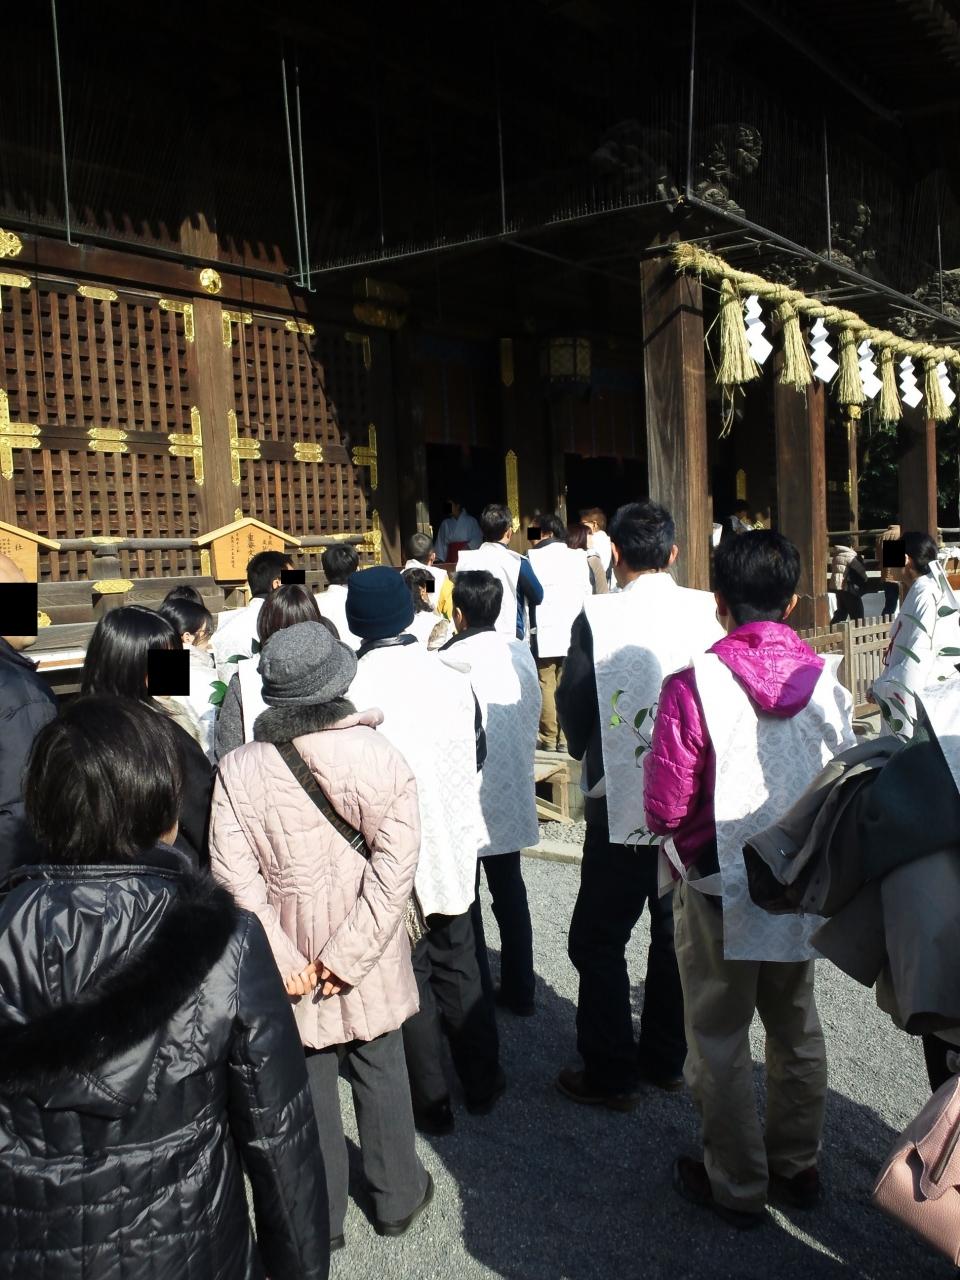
point(862, 645)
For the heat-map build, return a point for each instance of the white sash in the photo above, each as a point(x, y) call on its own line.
point(504, 564)
point(640, 636)
point(565, 577)
point(941, 702)
point(764, 763)
point(251, 694)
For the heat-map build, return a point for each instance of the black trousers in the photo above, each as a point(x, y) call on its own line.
point(935, 1053)
point(848, 606)
point(891, 598)
point(512, 914)
point(616, 883)
point(451, 1000)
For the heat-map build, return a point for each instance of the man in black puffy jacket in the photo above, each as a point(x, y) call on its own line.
point(148, 1054)
point(26, 704)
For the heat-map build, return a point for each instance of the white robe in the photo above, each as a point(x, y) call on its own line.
point(504, 564)
point(567, 584)
point(429, 715)
point(461, 528)
point(640, 636)
point(928, 623)
point(235, 636)
point(504, 678)
point(251, 695)
point(764, 764)
point(203, 676)
point(332, 603)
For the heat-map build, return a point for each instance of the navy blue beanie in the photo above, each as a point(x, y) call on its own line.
point(379, 603)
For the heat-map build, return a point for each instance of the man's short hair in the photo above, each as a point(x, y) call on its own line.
point(478, 595)
point(757, 575)
point(644, 535)
point(339, 563)
point(553, 527)
point(595, 515)
point(264, 569)
point(419, 546)
point(495, 520)
point(104, 781)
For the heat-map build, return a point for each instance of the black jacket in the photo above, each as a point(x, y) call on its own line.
point(146, 1046)
point(198, 780)
point(26, 704)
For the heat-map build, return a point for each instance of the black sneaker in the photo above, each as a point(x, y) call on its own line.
point(336, 1243)
point(691, 1181)
point(401, 1227)
point(573, 1085)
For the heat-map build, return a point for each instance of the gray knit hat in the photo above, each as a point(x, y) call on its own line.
point(303, 664)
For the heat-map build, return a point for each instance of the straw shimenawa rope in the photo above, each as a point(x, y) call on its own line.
point(737, 365)
point(796, 371)
point(853, 330)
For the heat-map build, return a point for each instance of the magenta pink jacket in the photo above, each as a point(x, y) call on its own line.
point(777, 670)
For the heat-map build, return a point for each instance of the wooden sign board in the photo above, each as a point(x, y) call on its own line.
point(230, 553)
point(23, 548)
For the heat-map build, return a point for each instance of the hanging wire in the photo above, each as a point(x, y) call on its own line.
point(303, 180)
point(63, 132)
point(293, 175)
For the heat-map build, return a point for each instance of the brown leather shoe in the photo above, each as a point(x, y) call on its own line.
point(573, 1084)
point(691, 1181)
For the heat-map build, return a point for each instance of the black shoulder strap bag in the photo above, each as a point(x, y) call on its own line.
point(413, 918)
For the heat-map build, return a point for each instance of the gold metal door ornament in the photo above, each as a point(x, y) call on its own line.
point(190, 446)
point(513, 488)
point(300, 326)
point(9, 280)
point(14, 435)
point(210, 281)
point(228, 319)
point(10, 244)
point(373, 540)
point(304, 451)
point(96, 292)
point(241, 450)
point(184, 309)
point(366, 456)
point(106, 440)
point(363, 341)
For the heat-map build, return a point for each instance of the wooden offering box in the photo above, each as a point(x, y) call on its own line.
point(232, 546)
point(23, 548)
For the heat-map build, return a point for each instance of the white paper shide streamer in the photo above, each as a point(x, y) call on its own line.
point(949, 395)
point(868, 371)
point(910, 393)
point(824, 366)
point(760, 347)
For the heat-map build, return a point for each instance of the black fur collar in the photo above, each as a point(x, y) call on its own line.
point(283, 724)
point(131, 999)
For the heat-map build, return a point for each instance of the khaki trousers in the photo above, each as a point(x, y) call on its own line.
point(720, 999)
point(549, 671)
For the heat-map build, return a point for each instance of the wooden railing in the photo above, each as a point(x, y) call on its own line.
point(862, 645)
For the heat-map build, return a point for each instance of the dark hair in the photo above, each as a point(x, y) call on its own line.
point(478, 595)
point(553, 527)
point(495, 520)
point(419, 546)
point(184, 592)
point(644, 534)
point(921, 549)
point(757, 574)
point(264, 569)
point(596, 514)
point(186, 615)
point(578, 536)
point(285, 607)
point(104, 781)
point(118, 653)
point(415, 579)
point(741, 506)
point(339, 563)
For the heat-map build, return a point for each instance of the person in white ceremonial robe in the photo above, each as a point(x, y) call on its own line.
point(521, 588)
point(236, 633)
point(458, 531)
point(339, 564)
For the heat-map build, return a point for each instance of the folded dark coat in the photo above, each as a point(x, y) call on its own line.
point(146, 1048)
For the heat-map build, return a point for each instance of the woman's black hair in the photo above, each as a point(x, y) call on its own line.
point(184, 592)
point(757, 574)
point(187, 616)
point(104, 781)
point(118, 654)
point(415, 579)
point(553, 527)
point(285, 607)
point(578, 536)
point(922, 550)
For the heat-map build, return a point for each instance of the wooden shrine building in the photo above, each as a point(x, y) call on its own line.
point(324, 267)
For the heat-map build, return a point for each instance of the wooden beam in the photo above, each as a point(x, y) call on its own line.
point(918, 474)
point(799, 421)
point(853, 469)
point(210, 371)
point(676, 411)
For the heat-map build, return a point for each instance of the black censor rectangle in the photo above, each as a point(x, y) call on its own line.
point(168, 673)
point(18, 609)
point(293, 577)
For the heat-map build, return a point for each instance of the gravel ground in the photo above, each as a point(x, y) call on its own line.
point(542, 1189)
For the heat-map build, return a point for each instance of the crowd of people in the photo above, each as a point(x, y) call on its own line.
point(220, 901)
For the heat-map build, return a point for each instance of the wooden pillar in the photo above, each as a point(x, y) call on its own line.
point(918, 474)
point(384, 497)
point(210, 370)
point(853, 464)
point(802, 493)
point(412, 497)
point(676, 411)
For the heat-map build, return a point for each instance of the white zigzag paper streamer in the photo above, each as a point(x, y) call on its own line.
point(868, 371)
point(824, 366)
point(949, 395)
point(910, 393)
point(760, 348)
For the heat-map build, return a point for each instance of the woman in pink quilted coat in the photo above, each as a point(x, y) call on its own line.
point(333, 915)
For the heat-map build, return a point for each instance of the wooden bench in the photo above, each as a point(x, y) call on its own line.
point(553, 770)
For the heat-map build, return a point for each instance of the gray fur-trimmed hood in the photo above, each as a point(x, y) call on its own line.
point(283, 724)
